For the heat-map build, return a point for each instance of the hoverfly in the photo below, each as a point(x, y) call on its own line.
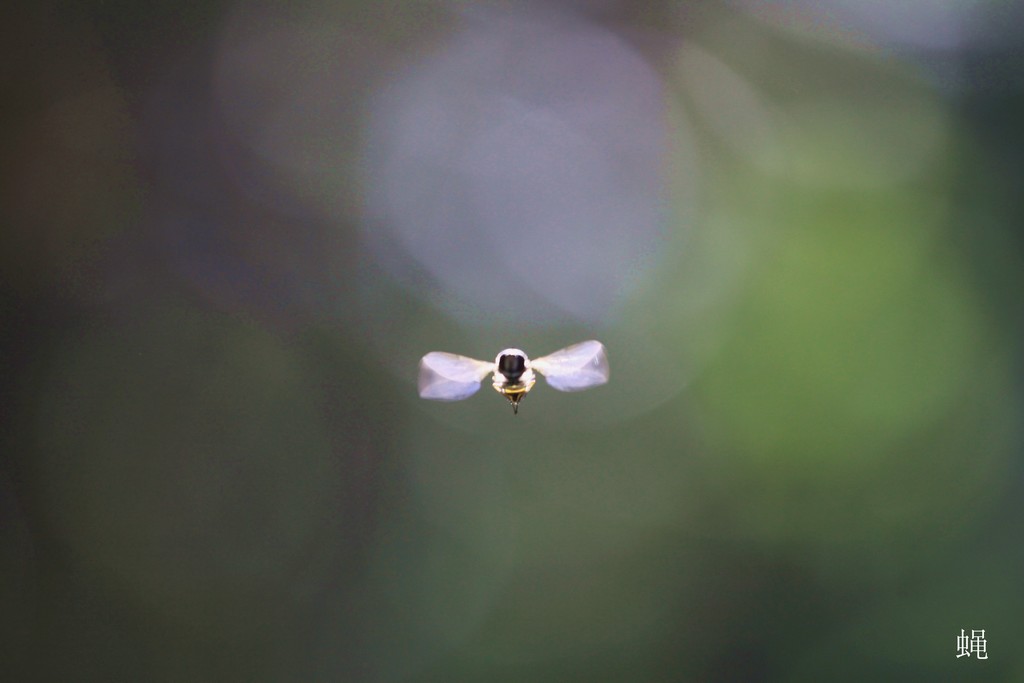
point(448, 377)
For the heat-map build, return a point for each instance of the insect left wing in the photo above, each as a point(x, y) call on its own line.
point(448, 377)
point(576, 367)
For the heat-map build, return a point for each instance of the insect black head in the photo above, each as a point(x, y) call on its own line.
point(511, 366)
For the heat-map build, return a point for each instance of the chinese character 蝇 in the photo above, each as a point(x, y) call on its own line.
point(973, 644)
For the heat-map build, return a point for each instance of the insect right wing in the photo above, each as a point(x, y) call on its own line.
point(449, 377)
point(576, 367)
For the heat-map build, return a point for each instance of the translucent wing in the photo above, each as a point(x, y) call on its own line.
point(448, 377)
point(576, 367)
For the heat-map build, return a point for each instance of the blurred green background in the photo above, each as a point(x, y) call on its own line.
point(230, 231)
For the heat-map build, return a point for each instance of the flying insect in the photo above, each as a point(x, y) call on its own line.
point(449, 377)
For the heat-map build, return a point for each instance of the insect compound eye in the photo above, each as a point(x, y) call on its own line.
point(511, 366)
